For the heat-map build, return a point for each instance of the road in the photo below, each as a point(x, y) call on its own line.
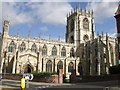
point(15, 85)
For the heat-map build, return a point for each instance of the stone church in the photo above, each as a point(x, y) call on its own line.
point(84, 51)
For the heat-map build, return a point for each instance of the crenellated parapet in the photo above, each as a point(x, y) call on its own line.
point(80, 11)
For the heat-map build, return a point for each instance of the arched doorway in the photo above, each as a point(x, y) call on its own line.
point(80, 71)
point(28, 69)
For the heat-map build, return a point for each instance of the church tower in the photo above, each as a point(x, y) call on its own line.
point(117, 16)
point(5, 33)
point(5, 28)
point(80, 26)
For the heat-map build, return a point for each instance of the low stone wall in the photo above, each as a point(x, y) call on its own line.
point(51, 79)
point(12, 76)
point(80, 79)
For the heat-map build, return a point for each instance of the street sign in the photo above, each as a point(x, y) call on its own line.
point(31, 77)
point(28, 76)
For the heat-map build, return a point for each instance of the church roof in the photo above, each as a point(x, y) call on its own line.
point(118, 10)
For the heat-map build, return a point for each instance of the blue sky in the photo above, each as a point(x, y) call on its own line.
point(46, 19)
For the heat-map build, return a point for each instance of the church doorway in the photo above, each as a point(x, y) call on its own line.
point(80, 71)
point(28, 69)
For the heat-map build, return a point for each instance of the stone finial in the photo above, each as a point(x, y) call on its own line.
point(29, 34)
point(88, 11)
point(85, 10)
point(18, 33)
point(81, 10)
point(102, 34)
point(106, 34)
point(67, 15)
point(71, 11)
point(92, 12)
point(98, 34)
point(77, 8)
point(6, 22)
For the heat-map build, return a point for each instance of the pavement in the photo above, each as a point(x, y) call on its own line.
point(6, 84)
point(15, 85)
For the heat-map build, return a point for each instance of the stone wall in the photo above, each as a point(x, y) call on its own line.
point(80, 79)
point(51, 79)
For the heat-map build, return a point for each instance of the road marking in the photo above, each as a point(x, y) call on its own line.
point(45, 86)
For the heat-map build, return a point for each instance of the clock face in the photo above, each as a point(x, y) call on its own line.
point(85, 23)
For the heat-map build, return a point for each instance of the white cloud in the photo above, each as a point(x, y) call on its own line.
point(103, 10)
point(26, 13)
point(59, 0)
point(53, 13)
point(0, 16)
point(12, 12)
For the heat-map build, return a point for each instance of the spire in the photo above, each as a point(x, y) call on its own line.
point(59, 38)
point(28, 34)
point(106, 38)
point(102, 34)
point(77, 8)
point(39, 35)
point(18, 33)
point(49, 37)
point(118, 9)
point(67, 15)
point(71, 11)
point(98, 34)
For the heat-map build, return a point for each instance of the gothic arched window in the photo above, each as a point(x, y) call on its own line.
point(22, 47)
point(72, 52)
point(70, 66)
point(72, 25)
point(72, 39)
point(85, 38)
point(34, 48)
point(49, 66)
point(54, 51)
point(85, 23)
point(44, 50)
point(63, 52)
point(60, 65)
point(11, 46)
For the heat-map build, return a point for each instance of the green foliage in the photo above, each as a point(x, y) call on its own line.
point(43, 74)
point(114, 69)
point(67, 81)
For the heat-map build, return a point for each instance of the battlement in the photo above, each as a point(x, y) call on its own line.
point(80, 11)
point(6, 22)
point(39, 40)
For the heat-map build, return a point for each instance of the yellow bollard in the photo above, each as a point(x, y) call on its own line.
point(23, 83)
